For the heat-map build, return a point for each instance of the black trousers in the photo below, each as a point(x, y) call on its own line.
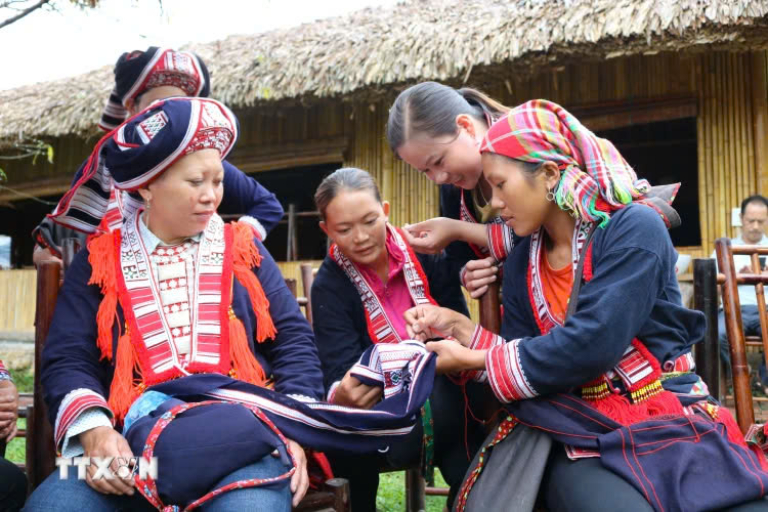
point(13, 487)
point(447, 403)
point(585, 485)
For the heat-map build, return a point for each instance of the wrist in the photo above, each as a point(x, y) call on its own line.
point(463, 329)
point(475, 359)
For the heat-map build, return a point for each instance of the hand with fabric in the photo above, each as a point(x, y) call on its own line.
point(353, 393)
point(427, 322)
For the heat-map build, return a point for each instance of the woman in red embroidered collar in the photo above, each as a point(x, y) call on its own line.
point(366, 283)
point(594, 362)
point(437, 130)
point(181, 303)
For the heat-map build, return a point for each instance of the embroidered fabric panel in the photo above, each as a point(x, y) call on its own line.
point(168, 328)
point(72, 406)
point(175, 69)
point(214, 131)
point(174, 270)
point(506, 374)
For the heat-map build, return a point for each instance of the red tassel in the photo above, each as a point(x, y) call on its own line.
point(125, 389)
point(246, 257)
point(621, 410)
point(101, 257)
point(245, 365)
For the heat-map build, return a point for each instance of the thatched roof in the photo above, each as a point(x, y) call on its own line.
point(415, 40)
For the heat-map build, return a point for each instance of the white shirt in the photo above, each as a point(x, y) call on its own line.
point(747, 295)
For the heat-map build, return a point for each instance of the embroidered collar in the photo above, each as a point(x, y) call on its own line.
point(151, 241)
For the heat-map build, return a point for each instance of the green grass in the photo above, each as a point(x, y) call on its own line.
point(16, 449)
point(391, 496)
point(25, 380)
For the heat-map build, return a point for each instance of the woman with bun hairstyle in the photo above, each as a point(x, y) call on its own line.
point(369, 279)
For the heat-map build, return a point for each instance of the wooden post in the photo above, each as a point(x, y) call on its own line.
point(705, 300)
point(760, 113)
point(41, 459)
point(414, 491)
point(290, 254)
point(745, 415)
point(340, 489)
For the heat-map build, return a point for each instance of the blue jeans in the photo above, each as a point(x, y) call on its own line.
point(750, 318)
point(71, 494)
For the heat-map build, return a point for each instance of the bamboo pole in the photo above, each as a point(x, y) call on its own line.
point(719, 156)
point(760, 114)
point(701, 158)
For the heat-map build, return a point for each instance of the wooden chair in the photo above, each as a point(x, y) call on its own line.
point(731, 280)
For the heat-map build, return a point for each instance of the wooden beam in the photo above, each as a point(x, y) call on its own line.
point(620, 114)
point(39, 188)
point(253, 158)
point(760, 109)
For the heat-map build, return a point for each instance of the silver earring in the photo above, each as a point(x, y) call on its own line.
point(550, 195)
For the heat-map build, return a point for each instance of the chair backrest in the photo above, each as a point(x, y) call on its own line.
point(41, 452)
point(742, 392)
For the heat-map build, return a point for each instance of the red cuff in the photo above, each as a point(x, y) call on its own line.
point(506, 374)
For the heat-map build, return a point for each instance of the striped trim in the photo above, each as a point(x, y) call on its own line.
point(315, 421)
point(4, 370)
point(506, 374)
point(73, 405)
point(483, 339)
point(683, 363)
point(500, 240)
point(633, 367)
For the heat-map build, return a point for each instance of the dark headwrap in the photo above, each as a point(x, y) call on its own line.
point(141, 149)
point(138, 71)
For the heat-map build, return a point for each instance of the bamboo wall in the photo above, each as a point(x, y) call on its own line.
point(18, 292)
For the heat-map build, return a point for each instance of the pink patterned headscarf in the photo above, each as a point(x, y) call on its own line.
point(595, 178)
